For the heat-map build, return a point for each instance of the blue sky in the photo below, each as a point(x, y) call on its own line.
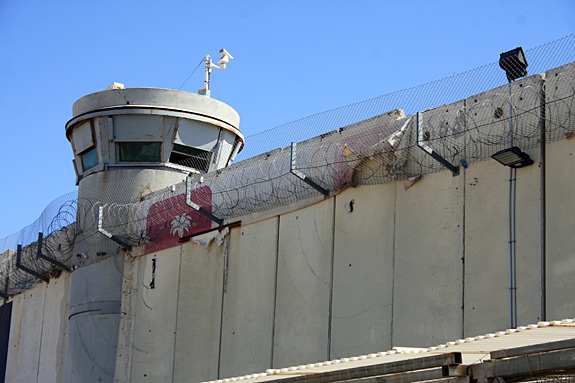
point(292, 59)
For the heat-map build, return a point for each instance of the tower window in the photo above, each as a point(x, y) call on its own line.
point(139, 151)
point(191, 157)
point(89, 158)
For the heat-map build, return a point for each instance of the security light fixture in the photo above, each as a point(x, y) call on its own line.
point(514, 64)
point(513, 157)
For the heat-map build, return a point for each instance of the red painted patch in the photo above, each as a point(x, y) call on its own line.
point(172, 218)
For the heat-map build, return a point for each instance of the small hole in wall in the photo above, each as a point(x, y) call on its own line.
point(498, 113)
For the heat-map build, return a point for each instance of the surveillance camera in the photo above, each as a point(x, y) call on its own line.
point(226, 57)
point(223, 62)
point(225, 54)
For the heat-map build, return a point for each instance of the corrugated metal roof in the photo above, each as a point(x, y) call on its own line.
point(473, 350)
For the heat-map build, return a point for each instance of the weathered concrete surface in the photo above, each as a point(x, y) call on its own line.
point(155, 326)
point(304, 285)
point(38, 332)
point(363, 271)
point(13, 361)
point(428, 279)
point(560, 172)
point(199, 312)
point(249, 299)
point(446, 126)
point(95, 302)
point(560, 224)
point(31, 334)
point(528, 241)
point(54, 329)
point(390, 273)
point(486, 248)
point(487, 116)
point(560, 102)
point(128, 319)
point(487, 272)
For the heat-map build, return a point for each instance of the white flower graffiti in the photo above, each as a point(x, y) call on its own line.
point(181, 224)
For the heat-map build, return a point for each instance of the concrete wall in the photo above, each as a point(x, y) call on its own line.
point(249, 299)
point(414, 267)
point(363, 274)
point(38, 332)
point(363, 271)
point(560, 206)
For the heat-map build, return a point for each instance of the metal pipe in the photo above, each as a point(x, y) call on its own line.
point(512, 259)
point(511, 213)
point(510, 118)
point(514, 243)
point(543, 207)
point(207, 74)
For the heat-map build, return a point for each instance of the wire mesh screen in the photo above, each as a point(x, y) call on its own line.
point(412, 100)
point(462, 119)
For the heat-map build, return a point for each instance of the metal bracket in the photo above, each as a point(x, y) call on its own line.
point(301, 176)
point(197, 207)
point(27, 270)
point(453, 169)
point(107, 233)
point(48, 259)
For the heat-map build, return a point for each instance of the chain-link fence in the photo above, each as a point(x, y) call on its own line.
point(461, 119)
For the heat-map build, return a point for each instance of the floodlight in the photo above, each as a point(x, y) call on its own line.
point(514, 64)
point(513, 157)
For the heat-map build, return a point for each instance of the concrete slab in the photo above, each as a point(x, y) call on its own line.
point(128, 318)
point(18, 303)
point(560, 222)
point(304, 285)
point(199, 313)
point(528, 241)
point(427, 298)
point(445, 128)
point(249, 299)
point(560, 102)
point(155, 327)
point(101, 366)
point(487, 247)
point(54, 329)
point(31, 333)
point(487, 118)
point(363, 271)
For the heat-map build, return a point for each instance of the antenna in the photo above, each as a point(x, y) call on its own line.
point(223, 62)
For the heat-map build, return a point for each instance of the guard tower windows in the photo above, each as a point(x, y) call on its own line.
point(89, 158)
point(139, 151)
point(191, 157)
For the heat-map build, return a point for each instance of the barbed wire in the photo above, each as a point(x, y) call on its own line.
point(464, 118)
